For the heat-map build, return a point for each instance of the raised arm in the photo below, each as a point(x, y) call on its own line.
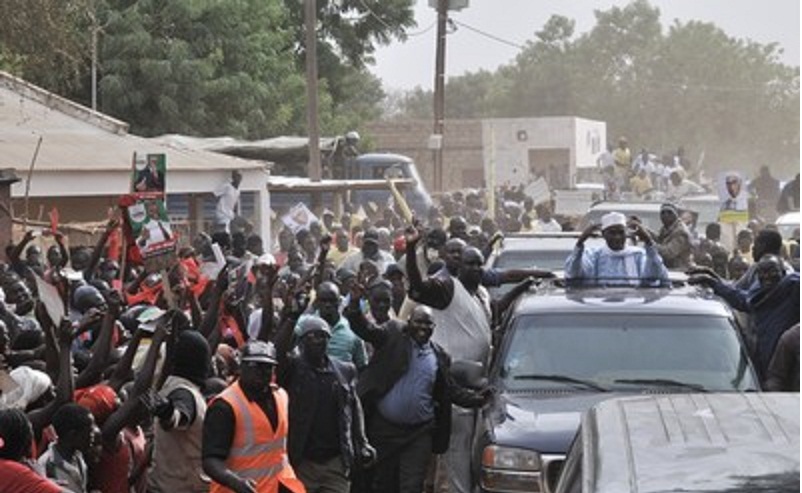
point(577, 265)
point(295, 303)
point(97, 253)
point(15, 254)
point(325, 246)
point(654, 271)
point(212, 316)
point(65, 255)
point(361, 326)
point(65, 388)
point(433, 292)
point(102, 347)
point(266, 328)
point(125, 415)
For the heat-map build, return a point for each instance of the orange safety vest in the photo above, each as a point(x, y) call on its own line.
point(257, 451)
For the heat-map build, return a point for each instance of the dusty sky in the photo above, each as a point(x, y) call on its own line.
point(410, 64)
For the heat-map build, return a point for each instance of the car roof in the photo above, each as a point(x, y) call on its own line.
point(382, 159)
point(693, 442)
point(789, 218)
point(552, 299)
point(626, 207)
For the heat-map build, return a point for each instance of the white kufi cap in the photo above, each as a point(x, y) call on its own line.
point(613, 219)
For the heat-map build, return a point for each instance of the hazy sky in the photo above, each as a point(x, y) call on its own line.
point(410, 64)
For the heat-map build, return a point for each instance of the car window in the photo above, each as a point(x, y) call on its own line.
point(616, 350)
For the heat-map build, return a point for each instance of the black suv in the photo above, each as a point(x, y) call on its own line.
point(565, 349)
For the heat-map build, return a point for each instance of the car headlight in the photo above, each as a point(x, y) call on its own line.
point(496, 457)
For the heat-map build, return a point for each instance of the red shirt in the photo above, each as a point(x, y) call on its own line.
point(115, 467)
point(16, 477)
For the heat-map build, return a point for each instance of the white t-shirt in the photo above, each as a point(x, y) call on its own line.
point(227, 198)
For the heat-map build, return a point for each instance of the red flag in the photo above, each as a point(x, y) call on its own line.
point(53, 220)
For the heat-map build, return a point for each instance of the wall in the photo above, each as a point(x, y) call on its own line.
point(468, 145)
point(462, 154)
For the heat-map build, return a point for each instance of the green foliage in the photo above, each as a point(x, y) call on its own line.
point(201, 67)
point(689, 85)
point(205, 67)
point(41, 40)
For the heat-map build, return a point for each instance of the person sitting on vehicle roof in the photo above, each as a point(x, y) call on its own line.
point(616, 263)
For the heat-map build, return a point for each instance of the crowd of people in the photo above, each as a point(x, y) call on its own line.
point(322, 364)
point(647, 175)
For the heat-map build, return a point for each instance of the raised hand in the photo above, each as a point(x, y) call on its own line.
point(412, 235)
point(65, 333)
point(587, 233)
point(325, 243)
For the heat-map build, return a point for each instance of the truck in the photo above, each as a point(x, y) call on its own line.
point(342, 165)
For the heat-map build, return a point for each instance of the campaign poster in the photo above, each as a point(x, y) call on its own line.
point(149, 174)
point(733, 198)
point(299, 217)
point(147, 216)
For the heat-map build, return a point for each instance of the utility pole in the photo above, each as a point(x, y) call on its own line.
point(439, 93)
point(95, 29)
point(310, 19)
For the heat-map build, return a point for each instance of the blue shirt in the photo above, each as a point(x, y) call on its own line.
point(344, 345)
point(409, 401)
point(632, 266)
point(773, 312)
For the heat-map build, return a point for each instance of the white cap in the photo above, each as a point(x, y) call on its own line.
point(613, 219)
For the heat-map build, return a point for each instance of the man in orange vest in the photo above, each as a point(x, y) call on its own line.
point(245, 431)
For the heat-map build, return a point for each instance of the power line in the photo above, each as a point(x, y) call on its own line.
point(422, 31)
point(488, 35)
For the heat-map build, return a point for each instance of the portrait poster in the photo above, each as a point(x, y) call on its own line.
point(149, 175)
point(733, 198)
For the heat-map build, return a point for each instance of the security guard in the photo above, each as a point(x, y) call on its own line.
point(245, 432)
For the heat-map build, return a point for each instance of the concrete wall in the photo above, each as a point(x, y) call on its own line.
point(462, 154)
point(468, 144)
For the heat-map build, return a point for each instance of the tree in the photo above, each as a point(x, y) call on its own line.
point(692, 86)
point(41, 41)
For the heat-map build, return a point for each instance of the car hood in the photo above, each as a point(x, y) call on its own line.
point(546, 422)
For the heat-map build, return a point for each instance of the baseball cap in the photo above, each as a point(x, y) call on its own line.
point(371, 234)
point(311, 324)
point(258, 352)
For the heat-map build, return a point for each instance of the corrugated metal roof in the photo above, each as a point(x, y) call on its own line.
point(76, 138)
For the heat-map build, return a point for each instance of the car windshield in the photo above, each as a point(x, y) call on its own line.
point(625, 352)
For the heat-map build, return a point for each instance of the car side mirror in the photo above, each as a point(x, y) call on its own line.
point(469, 374)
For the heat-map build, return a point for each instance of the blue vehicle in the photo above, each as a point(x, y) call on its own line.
point(380, 166)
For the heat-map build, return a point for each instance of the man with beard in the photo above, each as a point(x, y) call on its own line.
point(616, 263)
point(773, 305)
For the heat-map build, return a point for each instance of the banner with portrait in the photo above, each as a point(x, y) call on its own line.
point(733, 198)
point(147, 224)
point(149, 175)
